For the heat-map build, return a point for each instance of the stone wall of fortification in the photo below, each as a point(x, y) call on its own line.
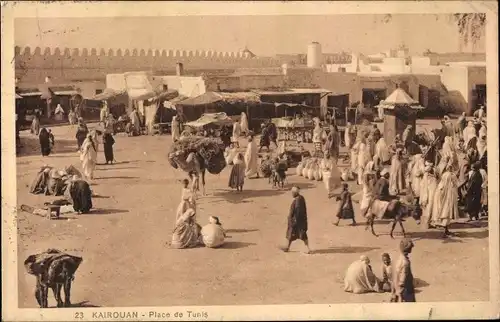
point(33, 65)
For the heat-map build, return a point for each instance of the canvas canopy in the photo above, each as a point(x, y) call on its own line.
point(214, 97)
point(291, 122)
point(399, 98)
point(290, 104)
point(29, 92)
point(211, 118)
point(107, 94)
point(172, 102)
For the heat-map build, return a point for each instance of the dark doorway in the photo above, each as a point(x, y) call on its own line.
point(480, 96)
point(339, 104)
point(372, 97)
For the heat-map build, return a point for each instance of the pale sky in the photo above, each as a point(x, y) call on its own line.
point(264, 35)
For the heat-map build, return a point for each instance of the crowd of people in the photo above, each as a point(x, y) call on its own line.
point(72, 184)
point(444, 175)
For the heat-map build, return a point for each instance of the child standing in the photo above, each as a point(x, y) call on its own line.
point(237, 176)
point(345, 210)
point(386, 272)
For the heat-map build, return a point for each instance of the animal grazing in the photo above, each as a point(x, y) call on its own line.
point(53, 269)
point(396, 211)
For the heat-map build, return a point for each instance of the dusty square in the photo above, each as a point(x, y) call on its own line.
point(127, 261)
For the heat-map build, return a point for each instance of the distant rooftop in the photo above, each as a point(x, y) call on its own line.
point(247, 51)
point(468, 63)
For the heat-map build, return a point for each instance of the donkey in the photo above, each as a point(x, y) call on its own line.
point(397, 211)
point(56, 270)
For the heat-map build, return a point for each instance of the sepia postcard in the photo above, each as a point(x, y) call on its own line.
point(250, 160)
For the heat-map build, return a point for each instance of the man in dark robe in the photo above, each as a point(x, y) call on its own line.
point(381, 188)
point(225, 136)
point(463, 178)
point(81, 195)
point(345, 210)
point(273, 133)
point(265, 140)
point(461, 124)
point(403, 289)
point(81, 132)
point(477, 125)
point(473, 193)
point(108, 142)
point(297, 221)
point(332, 143)
point(375, 133)
point(44, 142)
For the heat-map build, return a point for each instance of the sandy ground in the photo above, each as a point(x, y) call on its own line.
point(127, 261)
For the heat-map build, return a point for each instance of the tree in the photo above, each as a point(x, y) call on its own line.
point(471, 26)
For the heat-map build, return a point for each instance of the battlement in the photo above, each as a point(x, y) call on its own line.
point(33, 65)
point(134, 52)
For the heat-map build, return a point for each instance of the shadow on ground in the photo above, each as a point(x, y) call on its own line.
point(31, 147)
point(107, 211)
point(84, 304)
point(117, 177)
point(236, 245)
point(233, 196)
point(241, 230)
point(345, 250)
point(112, 168)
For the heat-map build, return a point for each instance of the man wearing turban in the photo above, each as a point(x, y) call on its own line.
point(403, 289)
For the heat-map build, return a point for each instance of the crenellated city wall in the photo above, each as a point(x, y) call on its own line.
point(70, 64)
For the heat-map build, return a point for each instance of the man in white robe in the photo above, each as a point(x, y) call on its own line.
point(135, 122)
point(480, 113)
point(483, 130)
point(363, 159)
point(428, 187)
point(104, 113)
point(445, 205)
point(416, 174)
point(213, 234)
point(354, 156)
point(469, 133)
point(59, 112)
point(330, 174)
point(349, 136)
point(397, 174)
point(244, 123)
point(360, 278)
point(236, 134)
point(88, 157)
point(175, 129)
point(382, 155)
point(251, 159)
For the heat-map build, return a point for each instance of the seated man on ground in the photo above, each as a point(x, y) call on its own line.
point(56, 182)
point(213, 234)
point(360, 278)
point(39, 184)
point(187, 233)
